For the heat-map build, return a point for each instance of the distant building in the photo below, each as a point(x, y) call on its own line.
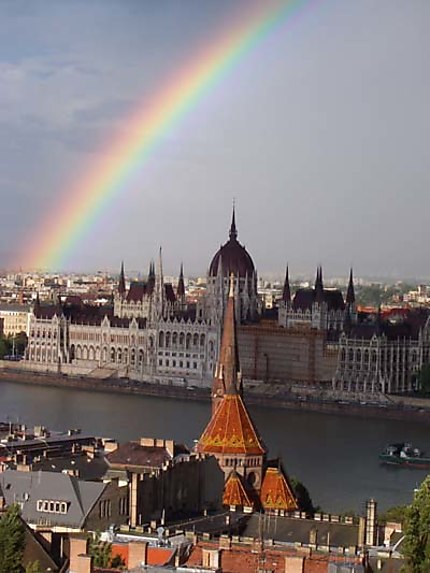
point(16, 318)
point(317, 308)
point(152, 332)
point(381, 357)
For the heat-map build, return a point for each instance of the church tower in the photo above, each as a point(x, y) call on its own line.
point(232, 438)
point(231, 435)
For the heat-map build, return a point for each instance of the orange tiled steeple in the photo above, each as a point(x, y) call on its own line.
point(227, 374)
point(234, 492)
point(275, 492)
point(230, 430)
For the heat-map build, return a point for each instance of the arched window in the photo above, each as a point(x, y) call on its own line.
point(167, 339)
point(202, 340)
point(174, 339)
point(188, 341)
point(181, 339)
point(112, 354)
point(196, 339)
point(161, 339)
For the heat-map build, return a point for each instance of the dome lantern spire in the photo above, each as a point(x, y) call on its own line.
point(233, 230)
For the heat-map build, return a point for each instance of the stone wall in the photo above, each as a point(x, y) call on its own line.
point(274, 354)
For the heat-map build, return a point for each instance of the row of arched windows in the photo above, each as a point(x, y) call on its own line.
point(181, 340)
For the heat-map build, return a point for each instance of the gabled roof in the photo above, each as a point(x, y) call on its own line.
point(27, 488)
point(275, 492)
point(235, 493)
point(305, 298)
point(137, 291)
point(230, 430)
point(134, 454)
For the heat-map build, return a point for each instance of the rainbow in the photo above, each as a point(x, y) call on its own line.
point(75, 213)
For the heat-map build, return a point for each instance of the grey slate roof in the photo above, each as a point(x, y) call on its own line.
point(26, 488)
point(288, 529)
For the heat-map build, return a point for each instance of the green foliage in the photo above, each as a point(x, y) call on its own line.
point(5, 347)
point(416, 546)
point(117, 562)
point(12, 540)
point(20, 343)
point(101, 551)
point(33, 567)
point(424, 379)
point(303, 498)
point(396, 514)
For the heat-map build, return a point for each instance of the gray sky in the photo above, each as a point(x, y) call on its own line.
point(321, 133)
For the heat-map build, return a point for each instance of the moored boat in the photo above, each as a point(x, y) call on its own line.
point(404, 454)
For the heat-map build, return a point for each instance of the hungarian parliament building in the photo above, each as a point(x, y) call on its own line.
point(151, 333)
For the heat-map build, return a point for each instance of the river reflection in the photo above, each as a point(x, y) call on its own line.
point(335, 456)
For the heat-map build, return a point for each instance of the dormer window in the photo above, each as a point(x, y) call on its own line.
point(52, 506)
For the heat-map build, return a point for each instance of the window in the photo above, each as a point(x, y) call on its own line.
point(51, 506)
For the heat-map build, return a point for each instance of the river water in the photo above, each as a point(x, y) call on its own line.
point(335, 456)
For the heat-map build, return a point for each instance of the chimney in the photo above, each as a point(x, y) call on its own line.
point(370, 522)
point(80, 562)
point(294, 564)
point(137, 554)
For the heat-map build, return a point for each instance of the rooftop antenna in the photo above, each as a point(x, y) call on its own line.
point(160, 533)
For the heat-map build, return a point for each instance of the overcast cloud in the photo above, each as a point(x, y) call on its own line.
point(321, 134)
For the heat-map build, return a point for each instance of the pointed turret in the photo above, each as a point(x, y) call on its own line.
point(227, 375)
point(235, 493)
point(319, 288)
point(350, 293)
point(36, 308)
point(121, 283)
point(286, 293)
point(180, 291)
point(276, 493)
point(233, 230)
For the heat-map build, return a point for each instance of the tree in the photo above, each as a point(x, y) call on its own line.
point(5, 347)
point(396, 513)
point(416, 545)
point(101, 551)
point(424, 379)
point(303, 498)
point(33, 567)
point(12, 540)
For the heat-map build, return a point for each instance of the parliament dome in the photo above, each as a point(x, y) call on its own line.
point(233, 256)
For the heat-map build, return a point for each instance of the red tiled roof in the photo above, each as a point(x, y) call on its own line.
point(230, 430)
point(235, 493)
point(159, 555)
point(275, 492)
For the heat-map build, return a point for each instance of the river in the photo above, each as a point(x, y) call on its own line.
point(335, 456)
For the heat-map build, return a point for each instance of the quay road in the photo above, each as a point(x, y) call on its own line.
point(334, 455)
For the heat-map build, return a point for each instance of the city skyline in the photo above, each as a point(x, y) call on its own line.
point(318, 133)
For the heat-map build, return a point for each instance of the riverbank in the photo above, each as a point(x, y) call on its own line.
point(399, 408)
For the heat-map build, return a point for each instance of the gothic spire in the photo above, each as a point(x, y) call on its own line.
point(121, 284)
point(286, 294)
point(180, 291)
point(227, 376)
point(319, 288)
point(233, 230)
point(350, 294)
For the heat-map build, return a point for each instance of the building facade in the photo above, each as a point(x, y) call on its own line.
point(152, 333)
